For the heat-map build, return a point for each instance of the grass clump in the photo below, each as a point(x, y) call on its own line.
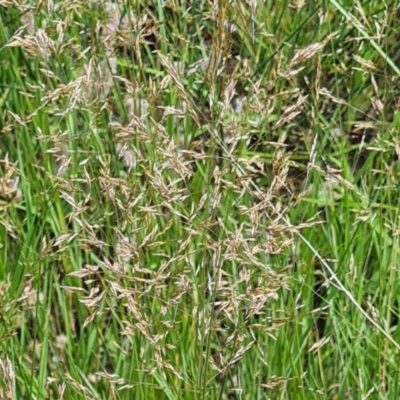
point(198, 200)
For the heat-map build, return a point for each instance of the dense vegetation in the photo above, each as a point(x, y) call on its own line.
point(199, 200)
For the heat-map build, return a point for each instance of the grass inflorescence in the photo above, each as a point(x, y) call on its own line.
point(199, 200)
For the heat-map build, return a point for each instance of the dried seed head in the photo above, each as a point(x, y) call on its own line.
point(9, 190)
point(126, 154)
point(100, 81)
point(110, 29)
point(136, 107)
point(27, 19)
point(7, 379)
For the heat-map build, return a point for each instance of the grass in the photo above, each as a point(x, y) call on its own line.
point(199, 200)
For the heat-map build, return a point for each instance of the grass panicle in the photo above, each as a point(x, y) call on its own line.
point(199, 200)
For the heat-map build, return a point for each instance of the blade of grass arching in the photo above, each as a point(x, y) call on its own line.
point(364, 33)
point(359, 247)
point(349, 295)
